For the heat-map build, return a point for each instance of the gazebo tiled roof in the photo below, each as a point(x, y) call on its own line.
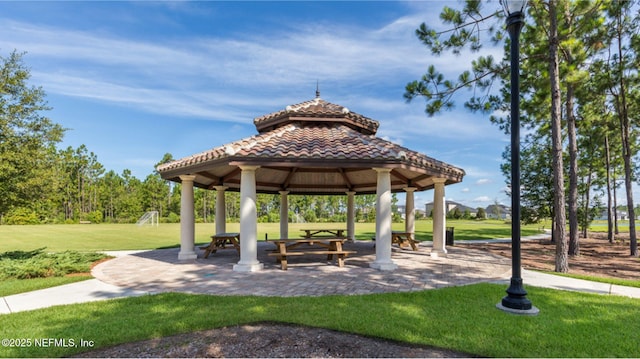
point(313, 147)
point(317, 110)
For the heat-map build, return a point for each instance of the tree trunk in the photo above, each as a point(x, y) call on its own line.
point(615, 204)
point(587, 199)
point(562, 260)
point(633, 243)
point(574, 246)
point(623, 114)
point(610, 235)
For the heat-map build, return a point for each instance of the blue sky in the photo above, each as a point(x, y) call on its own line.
point(135, 80)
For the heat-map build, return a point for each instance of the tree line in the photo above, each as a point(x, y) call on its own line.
point(579, 103)
point(41, 183)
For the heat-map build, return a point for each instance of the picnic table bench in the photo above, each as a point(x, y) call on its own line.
point(299, 247)
point(403, 239)
point(222, 241)
point(332, 232)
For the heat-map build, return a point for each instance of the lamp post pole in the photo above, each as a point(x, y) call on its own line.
point(516, 299)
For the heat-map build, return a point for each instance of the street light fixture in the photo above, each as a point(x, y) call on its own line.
point(516, 299)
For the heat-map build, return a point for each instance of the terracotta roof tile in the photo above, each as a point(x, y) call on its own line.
point(322, 141)
point(337, 147)
point(316, 110)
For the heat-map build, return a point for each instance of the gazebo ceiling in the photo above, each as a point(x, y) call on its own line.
point(313, 147)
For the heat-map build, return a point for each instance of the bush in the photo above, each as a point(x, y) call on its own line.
point(94, 217)
point(310, 217)
point(269, 218)
point(22, 216)
point(38, 264)
point(171, 218)
point(337, 218)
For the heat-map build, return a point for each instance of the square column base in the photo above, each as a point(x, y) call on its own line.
point(255, 267)
point(387, 266)
point(438, 253)
point(187, 256)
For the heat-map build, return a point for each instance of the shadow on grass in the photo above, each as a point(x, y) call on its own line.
point(460, 318)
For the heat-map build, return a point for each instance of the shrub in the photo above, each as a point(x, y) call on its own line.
point(38, 264)
point(171, 218)
point(310, 216)
point(94, 217)
point(337, 218)
point(22, 216)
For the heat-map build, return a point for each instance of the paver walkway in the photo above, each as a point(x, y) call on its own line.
point(160, 271)
point(136, 273)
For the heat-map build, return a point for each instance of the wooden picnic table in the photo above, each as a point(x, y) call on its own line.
point(307, 246)
point(403, 239)
point(309, 233)
point(222, 241)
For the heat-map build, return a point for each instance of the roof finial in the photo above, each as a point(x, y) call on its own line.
point(317, 89)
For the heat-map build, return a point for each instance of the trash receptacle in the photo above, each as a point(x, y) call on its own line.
point(449, 236)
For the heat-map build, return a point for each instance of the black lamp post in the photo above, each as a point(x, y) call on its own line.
point(516, 300)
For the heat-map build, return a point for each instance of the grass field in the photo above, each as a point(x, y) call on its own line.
point(101, 237)
point(601, 226)
point(459, 318)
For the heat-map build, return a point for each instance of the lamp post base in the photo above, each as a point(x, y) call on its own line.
point(516, 301)
point(531, 311)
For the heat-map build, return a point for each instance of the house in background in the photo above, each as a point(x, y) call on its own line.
point(492, 211)
point(401, 210)
point(451, 206)
point(621, 215)
point(499, 211)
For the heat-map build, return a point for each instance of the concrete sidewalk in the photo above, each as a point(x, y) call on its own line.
point(545, 280)
point(159, 271)
point(79, 292)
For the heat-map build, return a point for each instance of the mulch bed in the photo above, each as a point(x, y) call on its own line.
point(597, 256)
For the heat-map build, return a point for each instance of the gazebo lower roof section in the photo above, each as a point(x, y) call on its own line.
point(314, 147)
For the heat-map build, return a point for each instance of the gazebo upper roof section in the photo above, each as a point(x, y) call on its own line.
point(313, 147)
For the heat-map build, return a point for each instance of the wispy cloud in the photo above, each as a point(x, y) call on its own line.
point(199, 73)
point(482, 199)
point(212, 77)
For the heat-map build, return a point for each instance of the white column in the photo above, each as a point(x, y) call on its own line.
point(284, 214)
point(410, 211)
point(221, 210)
point(187, 220)
point(383, 221)
point(439, 219)
point(351, 216)
point(248, 222)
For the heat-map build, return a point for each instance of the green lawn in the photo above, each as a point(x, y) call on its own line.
point(100, 237)
point(459, 318)
point(601, 226)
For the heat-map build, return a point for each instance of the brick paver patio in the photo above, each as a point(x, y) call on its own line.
point(160, 271)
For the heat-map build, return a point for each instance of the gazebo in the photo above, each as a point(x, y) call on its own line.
point(314, 147)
